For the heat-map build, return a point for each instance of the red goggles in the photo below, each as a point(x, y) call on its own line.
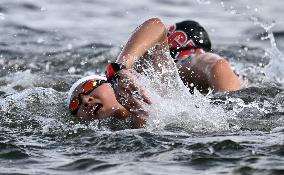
point(87, 88)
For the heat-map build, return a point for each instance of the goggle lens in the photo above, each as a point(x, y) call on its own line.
point(74, 105)
point(89, 86)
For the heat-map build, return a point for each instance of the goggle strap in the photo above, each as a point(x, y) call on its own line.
point(184, 48)
point(112, 70)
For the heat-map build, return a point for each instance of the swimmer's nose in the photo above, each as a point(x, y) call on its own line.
point(87, 100)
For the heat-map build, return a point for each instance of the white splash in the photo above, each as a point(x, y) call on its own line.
point(24, 79)
point(274, 70)
point(174, 105)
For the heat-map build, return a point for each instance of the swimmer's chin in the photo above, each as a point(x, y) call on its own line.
point(97, 114)
point(120, 113)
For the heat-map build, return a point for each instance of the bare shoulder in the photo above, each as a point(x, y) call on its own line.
point(207, 59)
point(208, 56)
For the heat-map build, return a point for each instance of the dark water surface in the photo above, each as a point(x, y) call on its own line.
point(45, 45)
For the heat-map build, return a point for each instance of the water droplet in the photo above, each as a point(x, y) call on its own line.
point(43, 9)
point(72, 70)
point(40, 40)
point(2, 16)
point(69, 46)
point(211, 150)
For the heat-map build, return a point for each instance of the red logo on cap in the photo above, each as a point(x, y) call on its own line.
point(178, 39)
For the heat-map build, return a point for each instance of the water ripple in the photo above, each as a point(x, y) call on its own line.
point(11, 151)
point(86, 164)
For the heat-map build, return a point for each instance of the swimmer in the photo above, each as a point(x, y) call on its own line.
point(96, 97)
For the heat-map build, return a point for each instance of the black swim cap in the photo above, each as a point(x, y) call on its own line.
point(187, 36)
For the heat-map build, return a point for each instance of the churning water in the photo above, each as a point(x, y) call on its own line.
point(46, 45)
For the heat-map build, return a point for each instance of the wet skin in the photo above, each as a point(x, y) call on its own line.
point(100, 103)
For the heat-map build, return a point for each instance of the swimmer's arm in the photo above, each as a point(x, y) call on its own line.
point(150, 33)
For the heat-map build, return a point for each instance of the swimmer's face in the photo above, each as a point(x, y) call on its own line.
point(99, 103)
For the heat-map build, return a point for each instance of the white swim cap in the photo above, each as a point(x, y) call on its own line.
point(78, 82)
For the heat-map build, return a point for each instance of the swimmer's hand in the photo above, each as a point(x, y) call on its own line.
point(132, 96)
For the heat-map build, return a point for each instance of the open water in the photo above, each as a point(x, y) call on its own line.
point(45, 45)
